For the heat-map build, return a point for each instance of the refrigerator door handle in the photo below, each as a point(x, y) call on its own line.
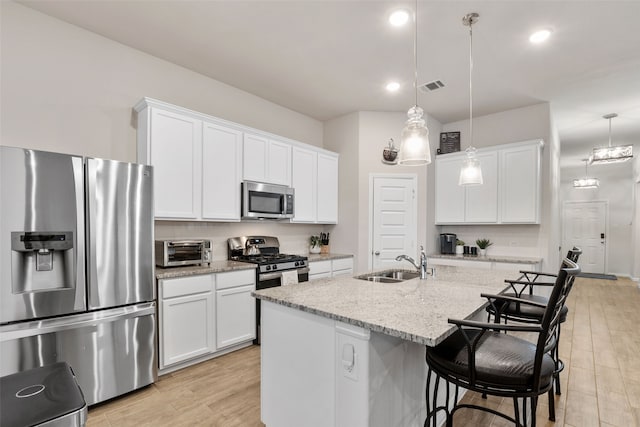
point(91, 319)
point(78, 179)
point(92, 273)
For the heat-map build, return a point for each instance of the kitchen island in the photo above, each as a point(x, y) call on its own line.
point(348, 352)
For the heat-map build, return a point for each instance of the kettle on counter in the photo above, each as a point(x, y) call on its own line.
point(251, 249)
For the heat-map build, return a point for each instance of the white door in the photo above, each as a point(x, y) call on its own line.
point(394, 212)
point(584, 226)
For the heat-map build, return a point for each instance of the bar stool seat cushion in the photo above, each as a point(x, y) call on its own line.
point(500, 359)
point(526, 311)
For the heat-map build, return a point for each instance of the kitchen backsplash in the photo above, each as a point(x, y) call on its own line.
point(294, 238)
point(512, 240)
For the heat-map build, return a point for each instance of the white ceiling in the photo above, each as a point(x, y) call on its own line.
point(328, 58)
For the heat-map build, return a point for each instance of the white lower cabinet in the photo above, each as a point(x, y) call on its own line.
point(186, 318)
point(319, 372)
point(319, 269)
point(204, 314)
point(342, 267)
point(330, 268)
point(235, 308)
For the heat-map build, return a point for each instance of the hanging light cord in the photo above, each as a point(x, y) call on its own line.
point(471, 81)
point(415, 53)
point(610, 131)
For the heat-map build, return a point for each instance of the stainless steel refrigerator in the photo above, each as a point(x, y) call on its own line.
point(76, 269)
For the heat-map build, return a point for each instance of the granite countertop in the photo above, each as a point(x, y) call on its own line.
point(489, 258)
point(326, 257)
point(415, 310)
point(192, 270)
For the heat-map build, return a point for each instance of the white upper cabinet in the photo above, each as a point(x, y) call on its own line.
point(279, 163)
point(266, 160)
point(520, 184)
point(315, 180)
point(327, 189)
point(304, 181)
point(255, 157)
point(482, 200)
point(450, 197)
point(200, 161)
point(510, 193)
point(171, 142)
point(221, 172)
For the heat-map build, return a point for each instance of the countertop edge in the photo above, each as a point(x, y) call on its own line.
point(326, 257)
point(195, 270)
point(360, 323)
point(488, 258)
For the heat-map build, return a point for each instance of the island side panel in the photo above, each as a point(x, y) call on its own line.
point(298, 368)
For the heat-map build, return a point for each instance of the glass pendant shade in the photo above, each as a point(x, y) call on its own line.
point(603, 155)
point(618, 154)
point(414, 140)
point(470, 173)
point(586, 183)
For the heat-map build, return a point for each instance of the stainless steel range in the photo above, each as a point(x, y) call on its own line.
point(272, 265)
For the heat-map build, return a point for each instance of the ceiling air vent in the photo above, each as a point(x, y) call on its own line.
point(431, 86)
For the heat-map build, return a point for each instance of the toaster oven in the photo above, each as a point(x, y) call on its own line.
point(175, 253)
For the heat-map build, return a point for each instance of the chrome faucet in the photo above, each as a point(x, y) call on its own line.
point(422, 267)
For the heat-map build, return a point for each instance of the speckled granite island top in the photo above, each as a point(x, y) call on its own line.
point(489, 258)
point(415, 310)
point(192, 270)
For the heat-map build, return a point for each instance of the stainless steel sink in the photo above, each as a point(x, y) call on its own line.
point(379, 279)
point(389, 276)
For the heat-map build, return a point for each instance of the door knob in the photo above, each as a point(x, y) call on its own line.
point(376, 253)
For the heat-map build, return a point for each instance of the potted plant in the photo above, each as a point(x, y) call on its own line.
point(483, 244)
point(459, 247)
point(314, 244)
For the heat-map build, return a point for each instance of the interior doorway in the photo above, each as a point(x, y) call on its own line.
point(584, 225)
point(393, 212)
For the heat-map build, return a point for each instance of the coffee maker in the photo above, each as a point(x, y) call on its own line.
point(448, 243)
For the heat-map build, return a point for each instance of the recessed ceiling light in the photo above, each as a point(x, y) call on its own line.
point(393, 86)
point(399, 18)
point(539, 36)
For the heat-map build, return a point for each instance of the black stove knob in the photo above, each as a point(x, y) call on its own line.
point(268, 267)
point(275, 267)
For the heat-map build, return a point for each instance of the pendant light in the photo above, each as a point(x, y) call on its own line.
point(471, 172)
point(414, 139)
point(585, 183)
point(610, 154)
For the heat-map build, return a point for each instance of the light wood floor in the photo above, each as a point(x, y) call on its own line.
point(600, 345)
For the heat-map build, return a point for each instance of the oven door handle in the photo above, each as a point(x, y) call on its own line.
point(278, 274)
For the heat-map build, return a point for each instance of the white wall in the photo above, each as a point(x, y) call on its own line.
point(342, 135)
point(636, 216)
point(369, 133)
point(68, 90)
point(616, 187)
point(521, 124)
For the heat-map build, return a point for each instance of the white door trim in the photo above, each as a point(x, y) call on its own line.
point(606, 227)
point(372, 177)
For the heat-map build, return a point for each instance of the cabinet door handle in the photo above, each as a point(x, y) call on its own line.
point(348, 357)
point(376, 253)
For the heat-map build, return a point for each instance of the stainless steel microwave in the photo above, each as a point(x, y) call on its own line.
point(175, 253)
point(266, 201)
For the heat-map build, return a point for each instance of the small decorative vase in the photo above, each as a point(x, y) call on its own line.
point(314, 249)
point(483, 252)
point(459, 250)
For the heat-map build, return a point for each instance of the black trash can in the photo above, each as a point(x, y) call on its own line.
point(46, 396)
